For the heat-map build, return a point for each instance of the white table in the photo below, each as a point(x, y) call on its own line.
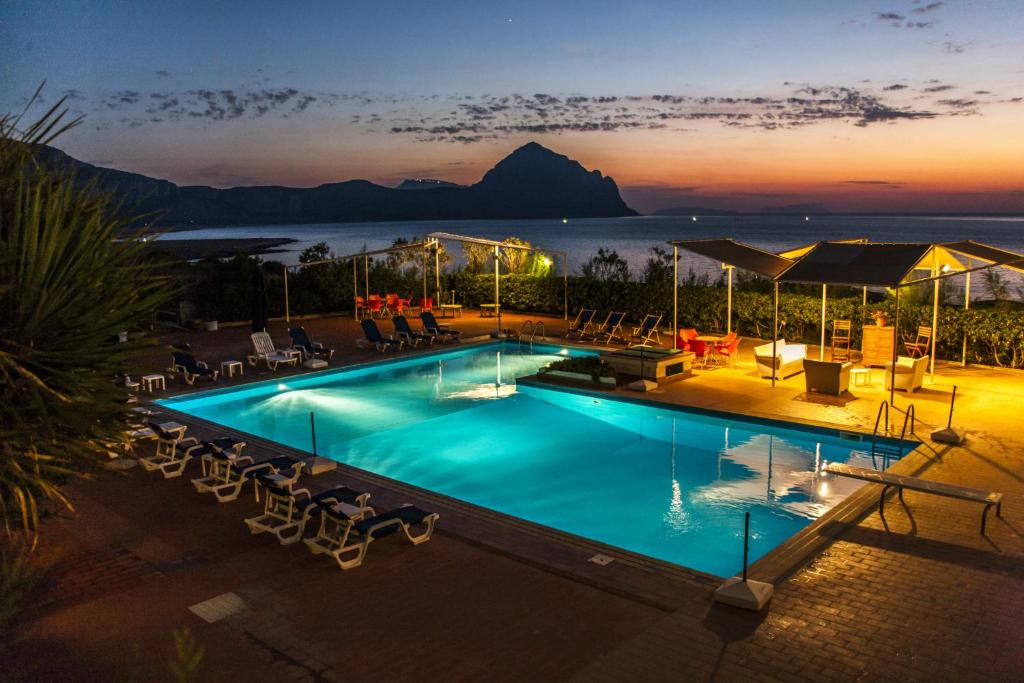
point(450, 308)
point(860, 377)
point(151, 382)
point(228, 367)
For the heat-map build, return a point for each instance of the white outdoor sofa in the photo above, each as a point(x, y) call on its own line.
point(909, 373)
point(789, 359)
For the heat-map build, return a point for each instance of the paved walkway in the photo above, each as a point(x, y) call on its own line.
point(918, 596)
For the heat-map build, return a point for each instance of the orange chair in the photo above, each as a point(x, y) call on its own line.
point(701, 350)
point(427, 303)
point(686, 336)
point(728, 351)
point(375, 305)
point(360, 305)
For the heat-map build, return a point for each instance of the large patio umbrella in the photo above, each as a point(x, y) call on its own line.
point(259, 300)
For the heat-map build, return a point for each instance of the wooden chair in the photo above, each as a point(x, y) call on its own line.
point(841, 337)
point(919, 347)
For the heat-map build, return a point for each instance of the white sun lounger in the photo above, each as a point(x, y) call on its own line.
point(227, 474)
point(285, 512)
point(264, 350)
point(347, 540)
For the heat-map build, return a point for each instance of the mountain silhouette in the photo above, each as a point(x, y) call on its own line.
point(531, 182)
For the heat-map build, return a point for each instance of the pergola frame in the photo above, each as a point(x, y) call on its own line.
point(944, 264)
point(498, 246)
point(939, 272)
point(365, 255)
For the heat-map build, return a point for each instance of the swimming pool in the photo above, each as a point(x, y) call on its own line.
point(664, 482)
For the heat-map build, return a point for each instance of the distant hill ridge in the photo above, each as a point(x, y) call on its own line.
point(531, 182)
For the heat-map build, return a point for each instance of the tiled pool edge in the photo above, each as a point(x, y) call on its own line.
point(627, 577)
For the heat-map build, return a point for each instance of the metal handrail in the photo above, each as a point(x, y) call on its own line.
point(522, 332)
point(885, 405)
point(910, 416)
point(538, 327)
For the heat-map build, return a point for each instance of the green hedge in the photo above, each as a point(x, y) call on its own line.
point(995, 333)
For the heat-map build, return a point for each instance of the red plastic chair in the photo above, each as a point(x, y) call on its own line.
point(730, 350)
point(700, 350)
point(427, 304)
point(375, 305)
point(686, 335)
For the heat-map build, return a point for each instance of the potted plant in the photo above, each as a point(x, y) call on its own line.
point(881, 318)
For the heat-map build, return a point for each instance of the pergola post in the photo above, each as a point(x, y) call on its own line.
point(287, 316)
point(935, 316)
point(967, 307)
point(366, 275)
point(423, 276)
point(437, 271)
point(565, 285)
point(497, 285)
point(355, 286)
point(775, 328)
point(728, 299)
point(824, 300)
point(675, 297)
point(895, 342)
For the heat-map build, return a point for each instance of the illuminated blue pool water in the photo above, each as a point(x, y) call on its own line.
point(666, 483)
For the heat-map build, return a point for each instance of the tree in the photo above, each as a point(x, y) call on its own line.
point(516, 261)
point(607, 266)
point(72, 277)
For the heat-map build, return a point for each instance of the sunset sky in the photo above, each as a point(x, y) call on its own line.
point(873, 106)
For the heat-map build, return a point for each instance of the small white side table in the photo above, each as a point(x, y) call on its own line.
point(860, 377)
point(228, 367)
point(151, 383)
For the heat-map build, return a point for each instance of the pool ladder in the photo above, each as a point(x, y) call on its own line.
point(534, 328)
point(887, 452)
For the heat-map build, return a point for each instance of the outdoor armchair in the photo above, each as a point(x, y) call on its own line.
point(788, 360)
point(908, 373)
point(827, 377)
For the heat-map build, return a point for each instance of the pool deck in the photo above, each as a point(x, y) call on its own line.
point(920, 595)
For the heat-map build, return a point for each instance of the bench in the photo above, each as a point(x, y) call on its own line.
point(899, 482)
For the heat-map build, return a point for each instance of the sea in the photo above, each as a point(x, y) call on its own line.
point(633, 237)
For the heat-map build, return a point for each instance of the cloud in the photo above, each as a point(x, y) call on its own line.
point(952, 47)
point(493, 116)
point(939, 88)
point(163, 73)
point(925, 9)
point(889, 16)
point(219, 105)
point(895, 86)
point(902, 20)
point(886, 184)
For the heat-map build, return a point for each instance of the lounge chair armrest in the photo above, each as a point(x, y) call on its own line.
point(301, 492)
point(202, 364)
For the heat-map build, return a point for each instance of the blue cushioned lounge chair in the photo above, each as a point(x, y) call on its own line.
point(442, 332)
point(405, 332)
point(380, 342)
point(310, 348)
